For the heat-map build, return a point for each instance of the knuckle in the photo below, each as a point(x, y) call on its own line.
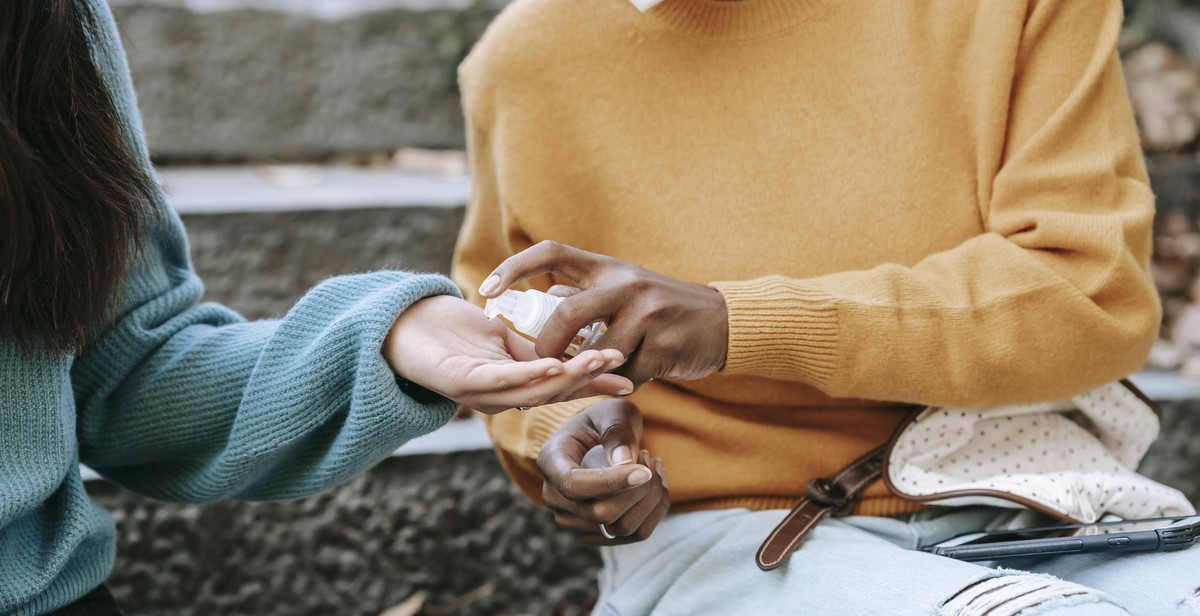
point(605, 513)
point(620, 528)
point(642, 533)
point(628, 279)
point(617, 431)
point(507, 266)
point(659, 307)
point(570, 489)
point(551, 248)
point(568, 311)
point(609, 263)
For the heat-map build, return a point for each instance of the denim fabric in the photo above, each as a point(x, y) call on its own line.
point(703, 563)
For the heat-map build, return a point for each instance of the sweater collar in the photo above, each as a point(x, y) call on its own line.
point(732, 19)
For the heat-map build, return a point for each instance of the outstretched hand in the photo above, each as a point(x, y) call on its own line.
point(448, 346)
point(598, 480)
point(665, 327)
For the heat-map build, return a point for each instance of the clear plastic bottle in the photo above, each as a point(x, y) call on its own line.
point(528, 312)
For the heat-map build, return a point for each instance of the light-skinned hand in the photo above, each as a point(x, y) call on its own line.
point(448, 346)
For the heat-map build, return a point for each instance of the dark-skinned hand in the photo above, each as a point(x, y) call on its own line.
point(591, 477)
point(664, 327)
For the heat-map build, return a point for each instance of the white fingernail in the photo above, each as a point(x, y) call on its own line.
point(596, 363)
point(621, 455)
point(640, 476)
point(490, 285)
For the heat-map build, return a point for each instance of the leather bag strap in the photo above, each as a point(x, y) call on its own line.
point(825, 496)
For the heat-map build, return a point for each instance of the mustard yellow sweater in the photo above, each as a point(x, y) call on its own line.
point(902, 201)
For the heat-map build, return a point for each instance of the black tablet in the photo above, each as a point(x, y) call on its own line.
point(1157, 534)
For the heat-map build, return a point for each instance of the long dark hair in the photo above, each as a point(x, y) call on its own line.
point(75, 201)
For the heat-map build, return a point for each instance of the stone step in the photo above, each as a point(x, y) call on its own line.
point(235, 80)
point(289, 188)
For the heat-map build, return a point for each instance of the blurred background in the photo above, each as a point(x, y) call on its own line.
point(301, 139)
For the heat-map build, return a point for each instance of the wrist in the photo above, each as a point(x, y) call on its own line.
point(401, 341)
point(718, 325)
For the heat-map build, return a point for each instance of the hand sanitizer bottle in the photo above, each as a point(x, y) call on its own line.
point(528, 312)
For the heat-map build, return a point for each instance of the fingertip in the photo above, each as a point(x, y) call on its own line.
point(614, 354)
point(588, 355)
point(549, 363)
point(640, 475)
point(613, 383)
point(490, 285)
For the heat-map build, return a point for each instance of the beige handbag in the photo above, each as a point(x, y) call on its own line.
point(1074, 460)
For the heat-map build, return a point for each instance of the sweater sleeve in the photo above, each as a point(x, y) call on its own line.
point(191, 403)
point(1052, 299)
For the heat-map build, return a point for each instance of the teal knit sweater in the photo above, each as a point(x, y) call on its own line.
point(189, 402)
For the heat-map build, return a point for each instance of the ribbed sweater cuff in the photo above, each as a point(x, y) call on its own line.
point(779, 328)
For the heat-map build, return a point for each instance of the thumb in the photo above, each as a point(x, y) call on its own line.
point(619, 425)
point(581, 484)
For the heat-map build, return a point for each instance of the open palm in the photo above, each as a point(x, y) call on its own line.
point(447, 345)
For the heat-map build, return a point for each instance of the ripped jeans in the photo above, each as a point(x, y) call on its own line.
point(703, 563)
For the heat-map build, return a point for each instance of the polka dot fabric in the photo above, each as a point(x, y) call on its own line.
point(1076, 458)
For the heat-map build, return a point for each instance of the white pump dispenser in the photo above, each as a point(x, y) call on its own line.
point(528, 312)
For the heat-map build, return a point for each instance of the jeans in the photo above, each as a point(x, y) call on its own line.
point(703, 563)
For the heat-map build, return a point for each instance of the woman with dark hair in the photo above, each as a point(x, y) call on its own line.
point(107, 359)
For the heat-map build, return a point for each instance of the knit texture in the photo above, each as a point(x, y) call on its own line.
point(189, 402)
point(902, 202)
